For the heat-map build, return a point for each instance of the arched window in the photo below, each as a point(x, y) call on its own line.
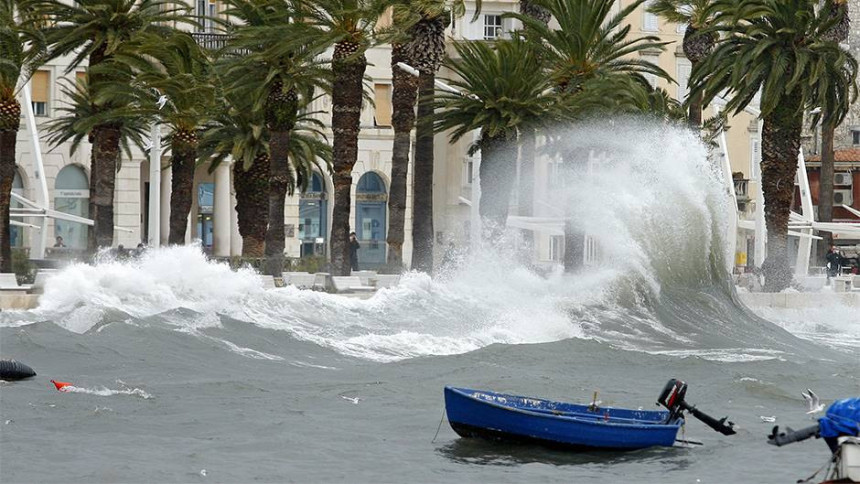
point(72, 196)
point(370, 211)
point(313, 213)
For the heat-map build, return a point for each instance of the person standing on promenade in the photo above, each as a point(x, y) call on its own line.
point(353, 251)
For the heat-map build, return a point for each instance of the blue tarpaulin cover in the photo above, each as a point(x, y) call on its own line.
point(843, 418)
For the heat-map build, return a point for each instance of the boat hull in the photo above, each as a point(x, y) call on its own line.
point(512, 418)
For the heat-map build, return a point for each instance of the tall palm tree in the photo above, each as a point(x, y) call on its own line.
point(503, 90)
point(589, 43)
point(271, 42)
point(837, 10)
point(350, 27)
point(179, 69)
point(777, 47)
point(696, 15)
point(403, 97)
point(19, 46)
point(93, 32)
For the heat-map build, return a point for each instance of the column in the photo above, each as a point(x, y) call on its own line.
point(222, 209)
point(166, 179)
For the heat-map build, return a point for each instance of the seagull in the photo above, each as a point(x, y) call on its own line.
point(161, 101)
point(354, 400)
point(813, 403)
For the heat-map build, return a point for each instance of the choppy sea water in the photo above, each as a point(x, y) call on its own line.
point(185, 371)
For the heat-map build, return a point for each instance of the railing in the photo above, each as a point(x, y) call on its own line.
point(742, 189)
point(209, 40)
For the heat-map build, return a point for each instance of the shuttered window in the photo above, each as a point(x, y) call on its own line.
point(40, 90)
point(382, 99)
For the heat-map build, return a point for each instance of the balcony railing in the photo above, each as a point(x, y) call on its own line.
point(742, 189)
point(209, 40)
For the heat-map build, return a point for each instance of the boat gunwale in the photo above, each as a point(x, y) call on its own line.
point(582, 419)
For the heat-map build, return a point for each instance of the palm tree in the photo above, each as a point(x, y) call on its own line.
point(272, 43)
point(349, 25)
point(504, 90)
point(838, 12)
point(93, 32)
point(696, 15)
point(590, 43)
point(179, 69)
point(19, 46)
point(403, 97)
point(777, 47)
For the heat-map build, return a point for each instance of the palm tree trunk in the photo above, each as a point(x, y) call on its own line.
point(825, 191)
point(252, 211)
point(780, 147)
point(183, 163)
point(526, 198)
point(405, 92)
point(348, 70)
point(103, 182)
point(422, 190)
point(280, 112)
point(498, 174)
point(8, 138)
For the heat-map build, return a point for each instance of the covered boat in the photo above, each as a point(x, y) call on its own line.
point(497, 416)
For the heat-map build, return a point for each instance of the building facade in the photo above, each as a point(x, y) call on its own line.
point(308, 215)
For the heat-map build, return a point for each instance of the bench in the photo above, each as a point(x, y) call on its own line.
point(387, 280)
point(365, 276)
point(842, 283)
point(9, 284)
point(301, 280)
point(268, 281)
point(349, 284)
point(41, 278)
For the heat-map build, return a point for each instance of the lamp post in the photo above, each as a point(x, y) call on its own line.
point(154, 228)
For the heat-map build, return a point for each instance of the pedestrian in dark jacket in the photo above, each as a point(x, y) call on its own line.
point(353, 251)
point(833, 262)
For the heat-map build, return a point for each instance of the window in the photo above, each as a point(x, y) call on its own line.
point(206, 12)
point(855, 137)
point(39, 91)
point(468, 166)
point(556, 247)
point(683, 76)
point(382, 100)
point(554, 179)
point(755, 157)
point(652, 78)
point(492, 27)
point(650, 22)
point(72, 196)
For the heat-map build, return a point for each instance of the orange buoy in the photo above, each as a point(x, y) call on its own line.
point(61, 385)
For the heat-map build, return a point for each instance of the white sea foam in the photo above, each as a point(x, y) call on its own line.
point(653, 209)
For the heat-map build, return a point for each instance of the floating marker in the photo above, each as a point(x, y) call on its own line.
point(61, 385)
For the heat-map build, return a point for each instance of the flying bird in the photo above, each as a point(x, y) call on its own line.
point(162, 100)
point(813, 403)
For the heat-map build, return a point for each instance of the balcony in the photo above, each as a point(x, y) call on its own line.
point(742, 192)
point(209, 40)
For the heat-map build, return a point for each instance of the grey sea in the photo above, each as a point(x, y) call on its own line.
point(185, 371)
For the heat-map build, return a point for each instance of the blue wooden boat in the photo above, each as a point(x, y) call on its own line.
point(497, 416)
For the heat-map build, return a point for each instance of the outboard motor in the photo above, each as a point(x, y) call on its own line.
point(842, 419)
point(672, 397)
